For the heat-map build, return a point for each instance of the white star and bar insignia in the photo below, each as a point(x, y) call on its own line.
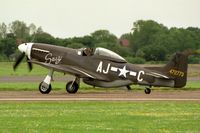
point(123, 71)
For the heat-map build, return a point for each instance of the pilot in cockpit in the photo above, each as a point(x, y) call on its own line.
point(88, 52)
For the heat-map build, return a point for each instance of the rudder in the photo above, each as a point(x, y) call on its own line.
point(177, 67)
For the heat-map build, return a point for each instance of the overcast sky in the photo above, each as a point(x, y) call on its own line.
point(69, 18)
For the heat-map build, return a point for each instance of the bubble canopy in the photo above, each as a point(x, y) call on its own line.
point(108, 53)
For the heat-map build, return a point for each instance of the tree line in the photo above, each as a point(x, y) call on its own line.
point(148, 40)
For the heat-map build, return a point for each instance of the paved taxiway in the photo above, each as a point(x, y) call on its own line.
point(101, 96)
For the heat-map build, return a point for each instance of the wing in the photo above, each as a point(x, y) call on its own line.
point(67, 69)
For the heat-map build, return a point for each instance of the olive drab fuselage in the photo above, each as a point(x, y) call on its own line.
point(101, 67)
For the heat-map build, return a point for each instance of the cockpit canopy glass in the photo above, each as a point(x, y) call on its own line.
point(108, 53)
point(99, 51)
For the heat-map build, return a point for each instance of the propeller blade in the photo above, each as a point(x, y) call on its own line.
point(18, 61)
point(30, 66)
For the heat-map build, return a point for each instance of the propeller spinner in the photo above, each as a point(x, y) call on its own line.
point(25, 50)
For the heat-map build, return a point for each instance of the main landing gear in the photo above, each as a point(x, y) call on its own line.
point(72, 86)
point(45, 86)
point(147, 90)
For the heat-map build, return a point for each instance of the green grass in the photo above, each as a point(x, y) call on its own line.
point(117, 117)
point(55, 86)
point(34, 86)
point(27, 86)
point(6, 69)
point(192, 85)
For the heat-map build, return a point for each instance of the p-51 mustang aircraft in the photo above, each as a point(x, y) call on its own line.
point(101, 67)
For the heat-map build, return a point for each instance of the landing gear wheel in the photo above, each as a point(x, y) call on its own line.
point(72, 87)
point(147, 91)
point(44, 88)
point(128, 87)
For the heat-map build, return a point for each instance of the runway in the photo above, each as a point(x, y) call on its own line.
point(100, 96)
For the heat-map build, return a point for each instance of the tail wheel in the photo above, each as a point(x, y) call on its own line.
point(147, 91)
point(44, 88)
point(72, 87)
point(128, 87)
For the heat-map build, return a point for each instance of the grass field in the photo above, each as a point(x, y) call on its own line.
point(6, 69)
point(83, 87)
point(34, 86)
point(144, 117)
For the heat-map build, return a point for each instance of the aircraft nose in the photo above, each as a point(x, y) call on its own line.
point(22, 47)
point(26, 48)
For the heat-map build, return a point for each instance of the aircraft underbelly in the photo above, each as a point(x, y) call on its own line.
point(159, 82)
point(115, 83)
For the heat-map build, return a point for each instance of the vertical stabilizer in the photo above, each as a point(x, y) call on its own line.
point(177, 67)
